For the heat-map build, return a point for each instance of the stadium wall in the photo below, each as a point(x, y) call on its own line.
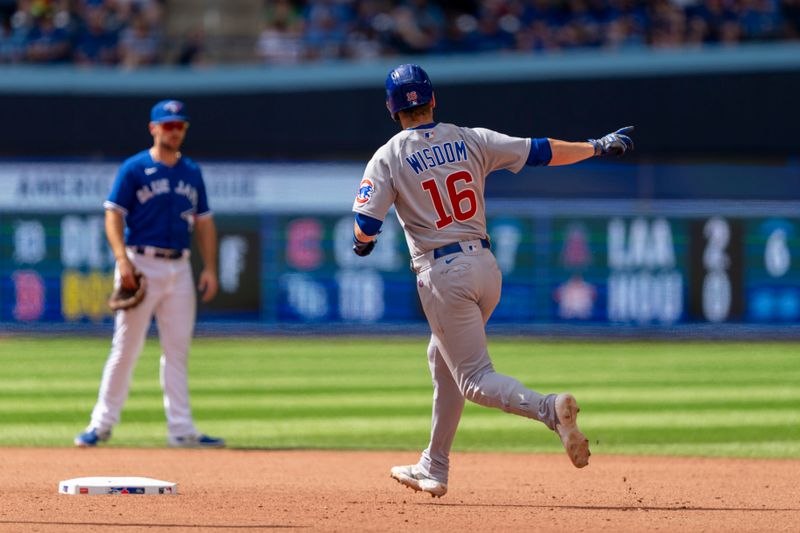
point(713, 102)
point(593, 266)
point(645, 246)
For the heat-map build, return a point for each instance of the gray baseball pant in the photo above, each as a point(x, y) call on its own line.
point(458, 298)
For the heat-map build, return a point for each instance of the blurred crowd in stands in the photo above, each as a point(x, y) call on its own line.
point(130, 33)
point(85, 32)
point(298, 30)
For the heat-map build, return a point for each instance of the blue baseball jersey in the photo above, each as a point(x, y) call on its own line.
point(160, 202)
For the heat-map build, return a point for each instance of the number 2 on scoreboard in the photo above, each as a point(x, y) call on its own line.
point(466, 196)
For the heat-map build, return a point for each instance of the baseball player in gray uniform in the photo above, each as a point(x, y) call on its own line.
point(157, 201)
point(434, 175)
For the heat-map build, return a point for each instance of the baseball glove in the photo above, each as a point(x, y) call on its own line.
point(122, 298)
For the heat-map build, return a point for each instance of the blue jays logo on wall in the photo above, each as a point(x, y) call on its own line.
point(365, 191)
point(173, 107)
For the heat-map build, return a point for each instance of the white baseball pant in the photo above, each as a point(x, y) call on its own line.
point(171, 298)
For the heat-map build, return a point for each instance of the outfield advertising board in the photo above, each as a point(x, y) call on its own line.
point(597, 262)
point(651, 270)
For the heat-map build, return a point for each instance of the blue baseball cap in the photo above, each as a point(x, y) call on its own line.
point(169, 111)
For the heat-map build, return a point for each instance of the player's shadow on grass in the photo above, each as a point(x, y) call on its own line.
point(152, 525)
point(682, 508)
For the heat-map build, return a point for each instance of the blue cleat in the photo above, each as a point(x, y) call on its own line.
point(198, 440)
point(91, 437)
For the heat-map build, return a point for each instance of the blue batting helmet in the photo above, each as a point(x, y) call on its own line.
point(407, 86)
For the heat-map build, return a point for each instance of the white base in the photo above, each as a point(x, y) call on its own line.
point(116, 485)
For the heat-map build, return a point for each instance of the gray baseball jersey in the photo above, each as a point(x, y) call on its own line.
point(435, 177)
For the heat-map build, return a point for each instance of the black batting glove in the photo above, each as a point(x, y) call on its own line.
point(363, 249)
point(617, 143)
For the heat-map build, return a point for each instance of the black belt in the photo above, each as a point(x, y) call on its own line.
point(455, 247)
point(163, 253)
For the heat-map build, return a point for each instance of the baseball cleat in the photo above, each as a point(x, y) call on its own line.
point(413, 478)
point(575, 443)
point(197, 440)
point(91, 437)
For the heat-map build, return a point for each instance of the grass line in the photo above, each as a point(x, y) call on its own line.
point(708, 399)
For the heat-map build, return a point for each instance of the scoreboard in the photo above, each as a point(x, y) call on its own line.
point(565, 265)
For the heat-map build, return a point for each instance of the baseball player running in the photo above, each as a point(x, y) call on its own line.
point(434, 174)
point(160, 195)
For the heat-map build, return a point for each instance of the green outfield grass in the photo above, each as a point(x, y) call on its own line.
point(707, 399)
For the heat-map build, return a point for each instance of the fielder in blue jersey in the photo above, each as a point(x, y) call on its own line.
point(158, 200)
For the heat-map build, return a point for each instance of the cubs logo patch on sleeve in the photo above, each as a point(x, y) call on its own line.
point(365, 190)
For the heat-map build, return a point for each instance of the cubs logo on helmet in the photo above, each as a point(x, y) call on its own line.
point(412, 96)
point(365, 190)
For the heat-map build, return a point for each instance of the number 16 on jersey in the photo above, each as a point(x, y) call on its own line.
point(464, 202)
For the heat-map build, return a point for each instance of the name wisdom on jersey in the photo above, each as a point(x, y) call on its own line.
point(437, 155)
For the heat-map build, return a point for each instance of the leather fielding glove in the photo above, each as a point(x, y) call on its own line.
point(122, 298)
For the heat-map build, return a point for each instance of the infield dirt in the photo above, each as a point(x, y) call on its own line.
point(261, 490)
